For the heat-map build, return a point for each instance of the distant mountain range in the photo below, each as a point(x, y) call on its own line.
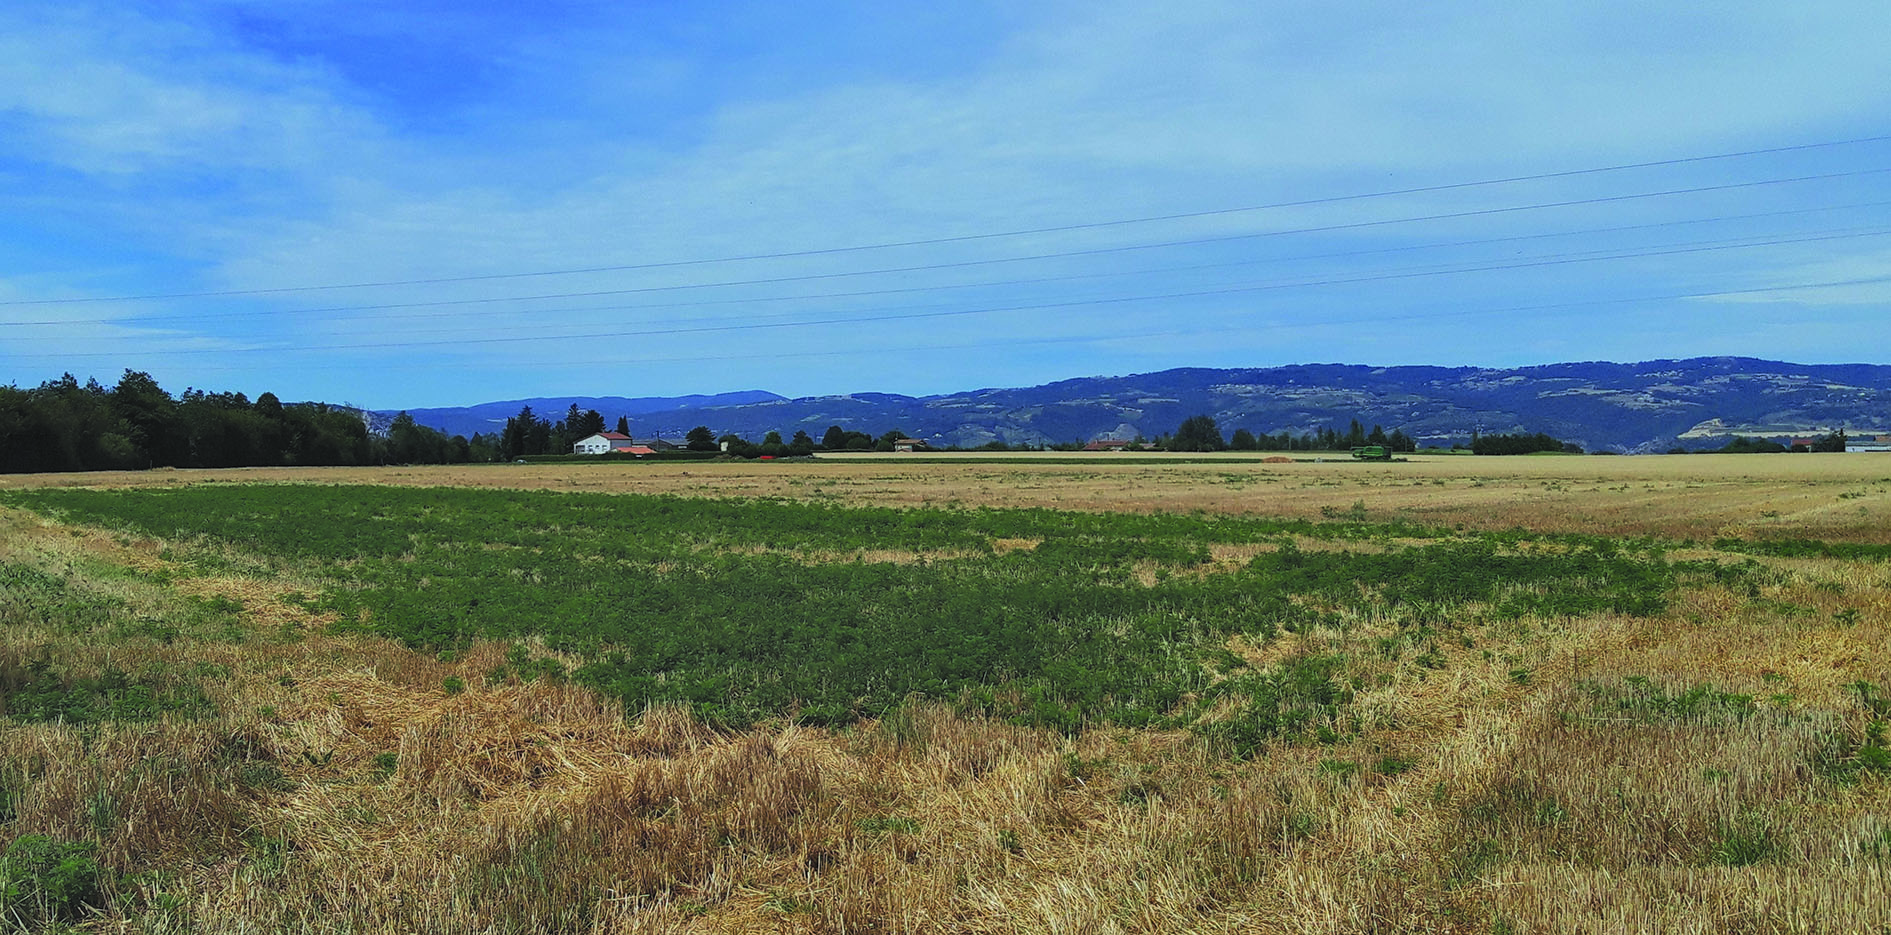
point(1636, 407)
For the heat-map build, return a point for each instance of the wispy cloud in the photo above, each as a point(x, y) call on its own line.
point(223, 145)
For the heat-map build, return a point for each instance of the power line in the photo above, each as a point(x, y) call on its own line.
point(1231, 290)
point(966, 238)
point(1095, 251)
point(1005, 342)
point(1732, 243)
point(703, 303)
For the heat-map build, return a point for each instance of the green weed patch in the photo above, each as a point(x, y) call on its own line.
point(1638, 698)
point(45, 881)
point(38, 691)
point(758, 609)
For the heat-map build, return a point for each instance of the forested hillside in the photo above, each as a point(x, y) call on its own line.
point(1649, 406)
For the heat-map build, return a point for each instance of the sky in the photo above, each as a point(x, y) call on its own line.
point(405, 204)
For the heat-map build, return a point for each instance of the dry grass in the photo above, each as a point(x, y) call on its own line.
point(1841, 497)
point(350, 784)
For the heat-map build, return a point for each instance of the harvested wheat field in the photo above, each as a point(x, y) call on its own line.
point(1703, 496)
point(1102, 694)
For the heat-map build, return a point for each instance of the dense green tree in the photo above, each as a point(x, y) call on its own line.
point(325, 436)
point(1744, 445)
point(1243, 440)
point(539, 438)
point(1833, 442)
point(623, 425)
point(411, 443)
point(151, 420)
point(65, 426)
point(575, 427)
point(524, 434)
point(224, 430)
point(834, 439)
point(1515, 444)
point(700, 438)
point(801, 445)
point(483, 448)
point(70, 427)
point(590, 423)
point(1197, 433)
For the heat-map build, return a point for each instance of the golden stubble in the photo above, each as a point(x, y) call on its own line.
point(347, 783)
point(1831, 496)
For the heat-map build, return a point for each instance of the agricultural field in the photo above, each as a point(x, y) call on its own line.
point(913, 695)
point(1825, 496)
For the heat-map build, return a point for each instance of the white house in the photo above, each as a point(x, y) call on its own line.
point(602, 443)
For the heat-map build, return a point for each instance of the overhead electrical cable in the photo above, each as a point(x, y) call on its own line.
point(1177, 332)
point(1434, 268)
point(1042, 306)
point(991, 235)
point(744, 300)
point(1094, 251)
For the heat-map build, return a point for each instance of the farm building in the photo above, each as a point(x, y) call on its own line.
point(603, 443)
point(1107, 444)
point(1869, 443)
point(910, 444)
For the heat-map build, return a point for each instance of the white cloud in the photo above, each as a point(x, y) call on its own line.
point(105, 91)
point(274, 173)
point(1851, 271)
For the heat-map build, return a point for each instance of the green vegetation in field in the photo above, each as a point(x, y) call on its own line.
point(44, 881)
point(39, 691)
point(757, 609)
point(1806, 548)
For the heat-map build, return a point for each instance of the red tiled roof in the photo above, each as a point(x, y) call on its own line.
point(613, 436)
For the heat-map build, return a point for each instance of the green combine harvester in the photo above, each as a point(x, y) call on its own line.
point(1373, 453)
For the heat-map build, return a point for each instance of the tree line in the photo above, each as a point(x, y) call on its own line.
point(1741, 444)
point(65, 425)
point(1521, 444)
point(1200, 433)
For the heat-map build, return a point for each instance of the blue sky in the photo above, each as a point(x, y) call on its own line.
point(285, 152)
